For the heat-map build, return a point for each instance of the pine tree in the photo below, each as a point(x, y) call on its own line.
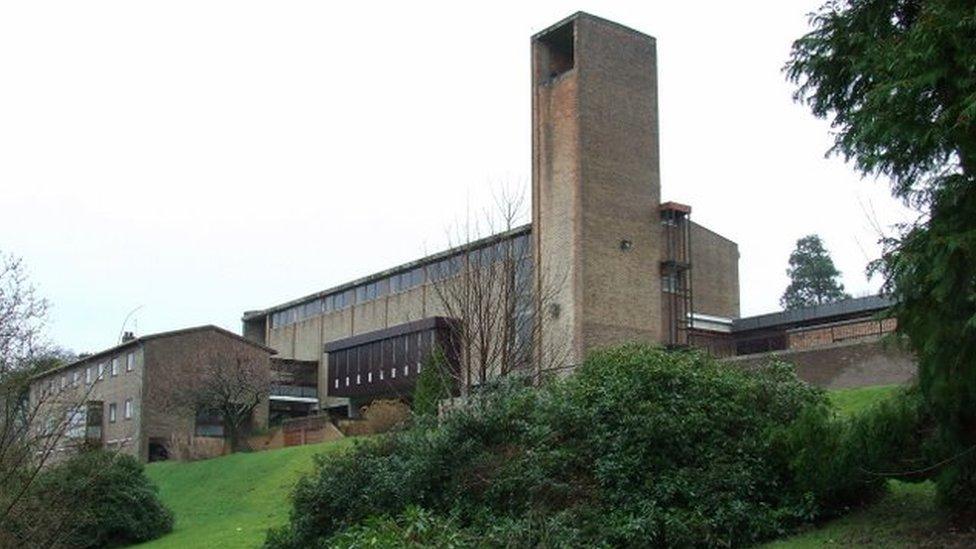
point(896, 80)
point(813, 277)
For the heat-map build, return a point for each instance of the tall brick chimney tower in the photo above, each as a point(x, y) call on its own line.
point(596, 183)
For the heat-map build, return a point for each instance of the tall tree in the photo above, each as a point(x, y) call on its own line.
point(813, 277)
point(897, 78)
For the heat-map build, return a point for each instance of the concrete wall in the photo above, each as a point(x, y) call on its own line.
point(714, 273)
point(843, 365)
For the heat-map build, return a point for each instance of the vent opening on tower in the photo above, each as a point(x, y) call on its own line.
point(557, 47)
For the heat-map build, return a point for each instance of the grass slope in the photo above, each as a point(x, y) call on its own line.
point(855, 401)
point(231, 501)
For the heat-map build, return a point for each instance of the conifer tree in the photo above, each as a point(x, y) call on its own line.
point(813, 277)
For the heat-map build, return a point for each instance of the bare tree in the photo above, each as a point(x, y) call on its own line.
point(231, 387)
point(36, 421)
point(497, 298)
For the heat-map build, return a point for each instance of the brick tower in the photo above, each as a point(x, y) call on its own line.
point(596, 183)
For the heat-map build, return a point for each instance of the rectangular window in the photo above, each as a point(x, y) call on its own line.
point(115, 366)
point(88, 374)
point(130, 362)
point(393, 372)
point(112, 412)
point(381, 375)
point(369, 377)
point(336, 383)
point(64, 381)
point(101, 371)
point(347, 381)
point(406, 370)
point(75, 377)
point(359, 379)
point(127, 409)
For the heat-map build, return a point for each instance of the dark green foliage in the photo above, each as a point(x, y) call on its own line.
point(433, 384)
point(898, 80)
point(111, 502)
point(639, 447)
point(845, 462)
point(813, 277)
point(415, 527)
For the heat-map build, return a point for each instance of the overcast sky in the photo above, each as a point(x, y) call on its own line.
point(198, 159)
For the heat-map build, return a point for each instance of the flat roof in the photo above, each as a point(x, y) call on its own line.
point(426, 260)
point(847, 307)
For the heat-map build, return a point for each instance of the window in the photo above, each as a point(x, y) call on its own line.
point(406, 370)
point(112, 412)
point(115, 366)
point(127, 409)
point(669, 283)
point(64, 381)
point(76, 377)
point(336, 383)
point(130, 362)
point(88, 374)
point(359, 379)
point(101, 371)
point(393, 372)
point(381, 375)
point(347, 381)
point(369, 377)
point(208, 424)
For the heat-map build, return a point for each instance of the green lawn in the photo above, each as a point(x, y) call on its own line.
point(854, 401)
point(231, 501)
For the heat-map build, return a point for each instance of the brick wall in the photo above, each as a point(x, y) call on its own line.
point(858, 363)
point(817, 336)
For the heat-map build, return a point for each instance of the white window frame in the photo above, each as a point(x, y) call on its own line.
point(113, 412)
point(101, 371)
point(88, 375)
point(130, 362)
point(127, 409)
point(115, 366)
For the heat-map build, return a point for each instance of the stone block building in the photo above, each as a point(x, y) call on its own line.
point(120, 398)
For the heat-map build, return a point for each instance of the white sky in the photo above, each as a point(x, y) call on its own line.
point(199, 159)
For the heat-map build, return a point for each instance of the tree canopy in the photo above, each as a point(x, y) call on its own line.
point(813, 277)
point(897, 79)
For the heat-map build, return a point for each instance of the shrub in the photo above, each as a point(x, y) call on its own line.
point(844, 462)
point(112, 501)
point(639, 447)
point(432, 386)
